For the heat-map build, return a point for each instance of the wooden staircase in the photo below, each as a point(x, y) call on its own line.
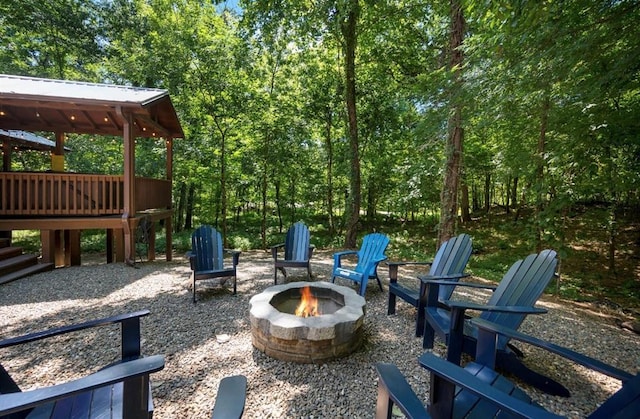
point(15, 264)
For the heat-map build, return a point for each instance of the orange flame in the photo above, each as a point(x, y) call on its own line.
point(308, 306)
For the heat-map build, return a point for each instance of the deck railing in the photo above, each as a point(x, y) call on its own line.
point(70, 194)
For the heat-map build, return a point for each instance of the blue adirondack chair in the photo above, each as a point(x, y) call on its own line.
point(371, 253)
point(448, 264)
point(207, 257)
point(120, 390)
point(231, 398)
point(297, 251)
point(511, 302)
point(477, 390)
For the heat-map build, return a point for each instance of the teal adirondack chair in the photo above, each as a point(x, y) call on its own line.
point(371, 253)
point(207, 257)
point(448, 264)
point(297, 251)
point(511, 302)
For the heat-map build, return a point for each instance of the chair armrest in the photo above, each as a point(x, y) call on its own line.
point(445, 279)
point(426, 280)
point(345, 253)
point(235, 254)
point(393, 386)
point(274, 250)
point(489, 330)
point(466, 305)
point(15, 402)
point(122, 318)
point(393, 263)
point(457, 376)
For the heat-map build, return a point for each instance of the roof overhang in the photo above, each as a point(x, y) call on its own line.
point(35, 104)
point(23, 140)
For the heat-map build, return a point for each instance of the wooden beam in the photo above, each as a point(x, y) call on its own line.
point(159, 129)
point(129, 185)
point(6, 155)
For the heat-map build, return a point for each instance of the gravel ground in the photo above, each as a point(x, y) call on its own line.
point(195, 362)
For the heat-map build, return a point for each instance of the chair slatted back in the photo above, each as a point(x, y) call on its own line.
point(296, 245)
point(373, 247)
point(451, 258)
point(522, 285)
point(207, 244)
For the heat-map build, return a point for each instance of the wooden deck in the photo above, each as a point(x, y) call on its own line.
point(61, 205)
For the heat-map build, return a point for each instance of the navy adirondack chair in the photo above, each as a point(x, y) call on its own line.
point(511, 302)
point(371, 253)
point(448, 264)
point(121, 389)
point(477, 390)
point(207, 257)
point(297, 251)
point(231, 398)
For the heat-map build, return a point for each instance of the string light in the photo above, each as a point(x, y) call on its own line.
point(73, 117)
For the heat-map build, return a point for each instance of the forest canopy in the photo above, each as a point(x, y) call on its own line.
point(360, 108)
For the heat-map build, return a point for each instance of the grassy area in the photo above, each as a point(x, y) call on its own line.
point(498, 241)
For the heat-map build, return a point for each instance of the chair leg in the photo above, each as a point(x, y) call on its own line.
point(391, 307)
point(427, 336)
point(194, 288)
point(275, 275)
point(363, 288)
point(420, 322)
point(379, 283)
point(235, 278)
point(309, 274)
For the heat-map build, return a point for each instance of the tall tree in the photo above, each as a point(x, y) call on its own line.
point(449, 196)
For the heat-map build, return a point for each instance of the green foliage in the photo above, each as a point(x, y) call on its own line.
point(551, 99)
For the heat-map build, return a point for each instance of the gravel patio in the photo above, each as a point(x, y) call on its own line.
point(195, 362)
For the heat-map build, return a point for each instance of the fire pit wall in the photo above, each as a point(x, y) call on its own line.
point(282, 335)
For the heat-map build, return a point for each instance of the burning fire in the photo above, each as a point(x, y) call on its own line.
point(308, 306)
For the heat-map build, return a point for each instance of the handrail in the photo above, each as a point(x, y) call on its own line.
point(72, 194)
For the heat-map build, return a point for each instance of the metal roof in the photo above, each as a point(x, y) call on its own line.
point(36, 104)
point(28, 141)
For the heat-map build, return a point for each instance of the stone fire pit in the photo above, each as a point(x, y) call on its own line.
point(280, 334)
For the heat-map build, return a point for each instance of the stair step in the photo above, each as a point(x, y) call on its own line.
point(9, 252)
point(30, 270)
point(17, 263)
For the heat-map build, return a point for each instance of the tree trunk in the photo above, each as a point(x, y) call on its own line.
point(263, 195)
point(182, 197)
point(191, 196)
point(542, 140)
point(449, 195)
point(223, 188)
point(507, 205)
point(352, 213)
point(329, 147)
point(464, 203)
point(487, 192)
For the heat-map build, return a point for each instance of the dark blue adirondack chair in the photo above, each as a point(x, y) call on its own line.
point(207, 257)
point(121, 389)
point(371, 253)
point(448, 264)
point(297, 251)
point(511, 302)
point(477, 390)
point(231, 397)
